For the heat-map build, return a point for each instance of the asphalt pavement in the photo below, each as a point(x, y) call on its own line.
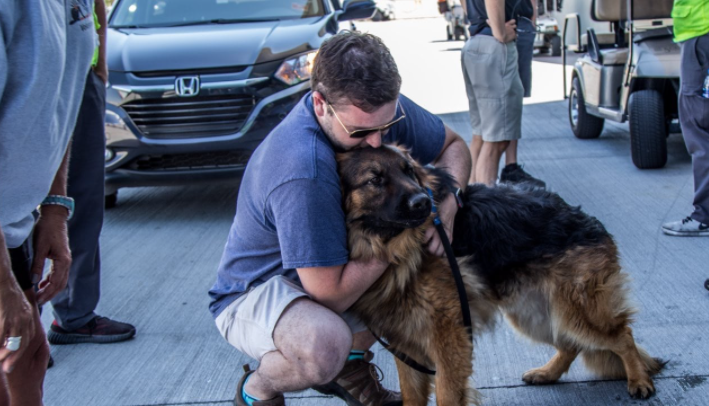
point(161, 247)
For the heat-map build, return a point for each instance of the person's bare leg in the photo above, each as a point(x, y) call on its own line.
point(488, 164)
point(475, 146)
point(511, 153)
point(26, 380)
point(312, 344)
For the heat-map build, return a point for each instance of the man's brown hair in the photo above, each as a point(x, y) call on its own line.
point(357, 67)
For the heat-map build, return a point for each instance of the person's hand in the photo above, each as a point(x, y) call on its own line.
point(509, 34)
point(16, 320)
point(51, 242)
point(447, 210)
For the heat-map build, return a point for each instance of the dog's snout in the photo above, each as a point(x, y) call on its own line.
point(419, 202)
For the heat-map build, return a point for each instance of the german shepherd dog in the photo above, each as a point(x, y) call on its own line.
point(550, 268)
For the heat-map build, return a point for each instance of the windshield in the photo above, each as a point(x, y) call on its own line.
point(166, 13)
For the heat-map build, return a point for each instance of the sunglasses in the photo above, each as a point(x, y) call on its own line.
point(367, 131)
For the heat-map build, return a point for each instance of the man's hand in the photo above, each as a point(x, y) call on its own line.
point(508, 34)
point(51, 242)
point(446, 212)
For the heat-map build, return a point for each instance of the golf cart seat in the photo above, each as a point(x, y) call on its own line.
point(615, 10)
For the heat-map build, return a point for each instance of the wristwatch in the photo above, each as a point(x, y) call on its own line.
point(458, 198)
point(58, 200)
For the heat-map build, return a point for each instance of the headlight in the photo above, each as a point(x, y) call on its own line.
point(296, 70)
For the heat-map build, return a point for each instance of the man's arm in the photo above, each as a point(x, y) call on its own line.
point(454, 158)
point(101, 69)
point(503, 31)
point(51, 240)
point(338, 287)
point(16, 313)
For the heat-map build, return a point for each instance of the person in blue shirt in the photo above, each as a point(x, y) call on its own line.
point(285, 280)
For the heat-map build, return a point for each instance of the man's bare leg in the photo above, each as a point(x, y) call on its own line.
point(312, 344)
point(511, 153)
point(475, 146)
point(488, 164)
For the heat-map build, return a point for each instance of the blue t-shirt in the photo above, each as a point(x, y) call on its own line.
point(289, 209)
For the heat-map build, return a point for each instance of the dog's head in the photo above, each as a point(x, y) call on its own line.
point(385, 190)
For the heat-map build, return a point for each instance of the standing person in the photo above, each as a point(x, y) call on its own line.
point(285, 282)
point(691, 28)
point(45, 51)
point(75, 320)
point(526, 32)
point(492, 82)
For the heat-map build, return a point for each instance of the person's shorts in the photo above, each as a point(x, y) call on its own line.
point(248, 322)
point(494, 88)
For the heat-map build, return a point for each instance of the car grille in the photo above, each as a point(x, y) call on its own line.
point(199, 160)
point(194, 117)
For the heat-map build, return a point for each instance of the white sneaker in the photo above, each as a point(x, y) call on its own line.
point(688, 227)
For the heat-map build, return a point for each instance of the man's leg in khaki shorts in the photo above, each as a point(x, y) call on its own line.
point(298, 342)
point(495, 99)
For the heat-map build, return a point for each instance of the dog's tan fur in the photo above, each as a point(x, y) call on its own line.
point(579, 307)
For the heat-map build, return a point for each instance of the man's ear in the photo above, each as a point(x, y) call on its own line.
point(319, 104)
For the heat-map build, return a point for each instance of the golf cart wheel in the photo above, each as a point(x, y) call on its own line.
point(584, 125)
point(449, 34)
point(555, 45)
point(648, 130)
point(459, 32)
point(378, 16)
point(706, 284)
point(110, 201)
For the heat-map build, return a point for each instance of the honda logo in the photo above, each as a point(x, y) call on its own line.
point(187, 86)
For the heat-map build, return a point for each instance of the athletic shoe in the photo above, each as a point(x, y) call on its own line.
point(688, 227)
point(358, 384)
point(100, 330)
point(514, 173)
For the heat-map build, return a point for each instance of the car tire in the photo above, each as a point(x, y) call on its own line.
point(555, 45)
point(110, 201)
point(584, 125)
point(648, 129)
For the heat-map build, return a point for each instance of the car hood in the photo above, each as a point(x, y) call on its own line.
point(211, 46)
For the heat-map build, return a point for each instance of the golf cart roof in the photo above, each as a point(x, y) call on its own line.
point(616, 10)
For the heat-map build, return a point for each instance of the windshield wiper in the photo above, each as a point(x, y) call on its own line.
point(222, 21)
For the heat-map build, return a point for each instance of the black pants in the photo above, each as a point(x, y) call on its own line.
point(75, 305)
point(21, 262)
point(694, 119)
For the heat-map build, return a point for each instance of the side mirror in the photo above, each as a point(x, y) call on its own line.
point(357, 10)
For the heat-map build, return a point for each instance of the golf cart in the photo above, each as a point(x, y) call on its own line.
point(547, 27)
point(631, 73)
point(453, 12)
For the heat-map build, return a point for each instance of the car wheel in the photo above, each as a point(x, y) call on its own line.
point(556, 46)
point(110, 201)
point(584, 125)
point(648, 132)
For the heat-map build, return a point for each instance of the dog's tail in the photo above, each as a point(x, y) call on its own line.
point(609, 365)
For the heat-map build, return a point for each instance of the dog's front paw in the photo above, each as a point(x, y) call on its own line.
point(539, 376)
point(641, 389)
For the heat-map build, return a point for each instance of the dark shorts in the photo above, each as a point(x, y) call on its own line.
point(22, 265)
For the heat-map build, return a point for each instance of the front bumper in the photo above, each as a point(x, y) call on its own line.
point(140, 160)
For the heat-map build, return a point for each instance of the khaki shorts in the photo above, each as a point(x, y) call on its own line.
point(494, 88)
point(248, 323)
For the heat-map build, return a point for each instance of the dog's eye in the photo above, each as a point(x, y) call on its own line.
point(376, 181)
